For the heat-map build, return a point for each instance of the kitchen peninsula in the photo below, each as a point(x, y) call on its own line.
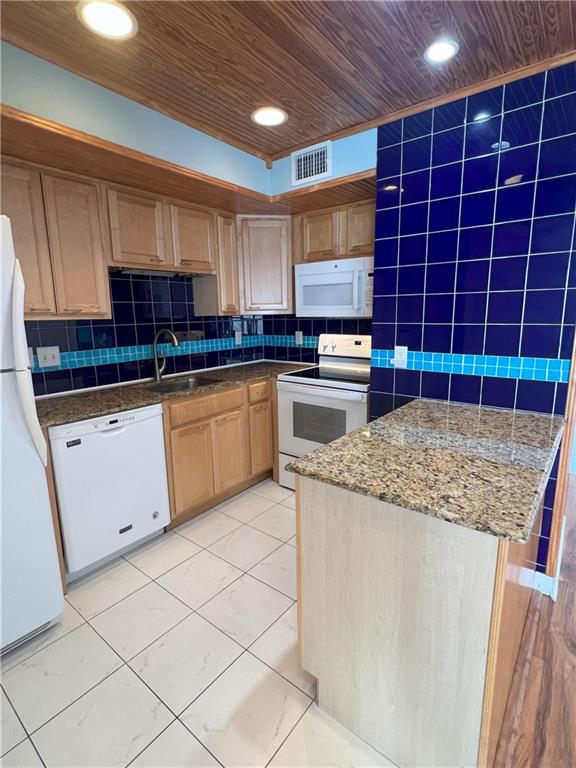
point(416, 561)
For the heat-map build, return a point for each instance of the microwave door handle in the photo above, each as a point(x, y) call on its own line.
point(358, 290)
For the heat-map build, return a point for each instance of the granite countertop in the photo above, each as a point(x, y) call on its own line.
point(100, 402)
point(483, 468)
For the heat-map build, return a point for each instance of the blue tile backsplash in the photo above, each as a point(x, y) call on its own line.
point(475, 265)
point(99, 352)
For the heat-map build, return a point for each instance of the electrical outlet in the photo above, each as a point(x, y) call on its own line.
point(400, 359)
point(31, 357)
point(238, 338)
point(298, 336)
point(48, 356)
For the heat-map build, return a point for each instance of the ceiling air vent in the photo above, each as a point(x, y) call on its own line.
point(311, 163)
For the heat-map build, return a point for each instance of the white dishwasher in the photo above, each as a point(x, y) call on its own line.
point(110, 475)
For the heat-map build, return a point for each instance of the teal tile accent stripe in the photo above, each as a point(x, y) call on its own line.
point(83, 358)
point(530, 368)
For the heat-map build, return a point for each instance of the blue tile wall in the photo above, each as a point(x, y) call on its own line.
point(475, 263)
point(100, 352)
point(276, 326)
point(117, 350)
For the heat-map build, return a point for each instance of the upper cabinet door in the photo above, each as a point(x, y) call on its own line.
point(137, 225)
point(360, 229)
point(266, 267)
point(22, 202)
point(75, 231)
point(321, 236)
point(228, 278)
point(193, 239)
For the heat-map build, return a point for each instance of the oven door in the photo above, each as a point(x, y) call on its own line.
point(310, 416)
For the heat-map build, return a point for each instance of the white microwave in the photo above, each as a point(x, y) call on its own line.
point(341, 288)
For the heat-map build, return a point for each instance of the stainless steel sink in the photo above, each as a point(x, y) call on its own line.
point(182, 385)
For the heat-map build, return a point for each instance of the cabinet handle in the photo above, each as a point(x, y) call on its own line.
point(198, 428)
point(155, 260)
point(79, 308)
point(262, 407)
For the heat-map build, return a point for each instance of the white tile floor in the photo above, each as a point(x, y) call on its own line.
point(182, 653)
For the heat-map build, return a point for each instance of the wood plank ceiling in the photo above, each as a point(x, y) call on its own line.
point(332, 65)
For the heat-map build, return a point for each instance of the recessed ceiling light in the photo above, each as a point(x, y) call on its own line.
point(514, 179)
point(107, 18)
point(481, 116)
point(390, 188)
point(440, 51)
point(269, 116)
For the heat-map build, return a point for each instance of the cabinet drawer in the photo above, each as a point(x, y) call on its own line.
point(229, 399)
point(196, 408)
point(258, 391)
point(191, 410)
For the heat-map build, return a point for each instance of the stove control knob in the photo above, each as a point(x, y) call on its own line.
point(333, 347)
point(324, 347)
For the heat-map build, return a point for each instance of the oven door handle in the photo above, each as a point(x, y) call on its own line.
point(321, 393)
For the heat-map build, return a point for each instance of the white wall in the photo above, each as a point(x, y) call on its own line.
point(349, 155)
point(33, 85)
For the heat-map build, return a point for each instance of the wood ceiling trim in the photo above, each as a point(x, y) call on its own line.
point(35, 139)
point(346, 189)
point(437, 101)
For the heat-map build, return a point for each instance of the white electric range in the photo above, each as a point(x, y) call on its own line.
point(319, 404)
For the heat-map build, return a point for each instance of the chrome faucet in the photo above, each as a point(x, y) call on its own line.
point(159, 369)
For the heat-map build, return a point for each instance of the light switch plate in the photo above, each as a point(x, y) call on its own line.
point(48, 356)
point(298, 335)
point(400, 359)
point(238, 338)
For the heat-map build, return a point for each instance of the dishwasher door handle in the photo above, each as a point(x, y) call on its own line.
point(112, 430)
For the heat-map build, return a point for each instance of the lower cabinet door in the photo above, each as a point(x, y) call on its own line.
point(230, 450)
point(261, 443)
point(192, 466)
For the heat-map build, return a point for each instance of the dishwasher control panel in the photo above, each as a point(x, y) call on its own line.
point(103, 423)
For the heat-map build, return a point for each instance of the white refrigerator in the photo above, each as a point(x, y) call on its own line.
point(31, 588)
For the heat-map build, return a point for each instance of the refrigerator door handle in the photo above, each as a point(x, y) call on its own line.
point(28, 403)
point(21, 359)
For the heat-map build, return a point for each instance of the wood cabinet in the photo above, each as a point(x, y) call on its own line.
point(261, 452)
point(321, 235)
point(139, 228)
point(266, 279)
point(216, 446)
point(75, 232)
point(335, 233)
point(192, 475)
point(193, 239)
point(23, 203)
point(228, 274)
point(61, 239)
point(219, 294)
point(230, 454)
point(360, 229)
